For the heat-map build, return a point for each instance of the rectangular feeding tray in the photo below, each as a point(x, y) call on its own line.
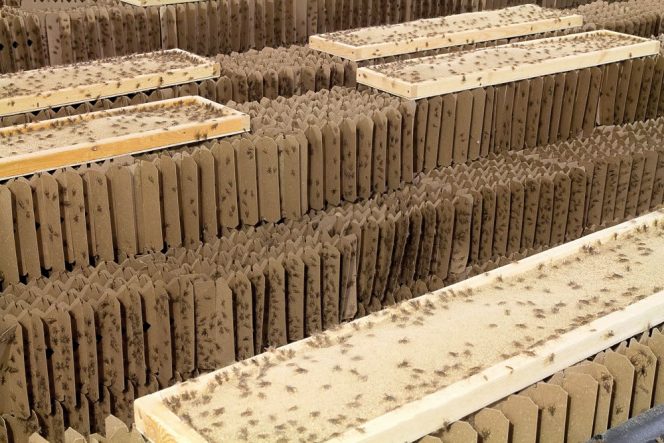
point(441, 32)
point(68, 141)
point(459, 71)
point(403, 372)
point(42, 88)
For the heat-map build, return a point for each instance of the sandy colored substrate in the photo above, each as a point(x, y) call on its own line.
point(343, 378)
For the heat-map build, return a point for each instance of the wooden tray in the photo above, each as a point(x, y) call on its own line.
point(446, 73)
point(297, 380)
point(441, 32)
point(157, 2)
point(63, 85)
point(69, 141)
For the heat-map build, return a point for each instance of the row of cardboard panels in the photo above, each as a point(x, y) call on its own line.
point(53, 88)
point(249, 76)
point(147, 188)
point(441, 74)
point(369, 153)
point(41, 88)
point(358, 137)
point(230, 298)
point(637, 17)
point(46, 87)
point(35, 33)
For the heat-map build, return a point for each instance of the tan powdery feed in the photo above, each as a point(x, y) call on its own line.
point(341, 379)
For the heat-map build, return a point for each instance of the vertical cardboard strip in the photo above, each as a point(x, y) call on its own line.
point(148, 207)
point(521, 97)
point(407, 110)
point(47, 218)
point(277, 328)
point(446, 140)
point(463, 206)
point(225, 326)
point(209, 349)
point(348, 134)
point(122, 210)
point(187, 173)
point(313, 290)
point(289, 179)
point(582, 390)
point(100, 233)
point(26, 231)
point(170, 200)
point(295, 290)
point(207, 193)
point(256, 276)
point(644, 362)
point(523, 414)
point(623, 376)
point(431, 150)
point(491, 425)
point(479, 97)
point(134, 341)
point(227, 187)
point(552, 402)
point(243, 311)
point(331, 264)
point(14, 391)
point(9, 270)
point(622, 90)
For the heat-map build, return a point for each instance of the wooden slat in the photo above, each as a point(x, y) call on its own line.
point(446, 73)
point(97, 135)
point(157, 2)
point(426, 393)
point(58, 86)
point(441, 32)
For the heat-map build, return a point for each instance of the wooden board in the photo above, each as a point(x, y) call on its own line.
point(68, 141)
point(157, 2)
point(441, 32)
point(459, 71)
point(36, 89)
point(413, 386)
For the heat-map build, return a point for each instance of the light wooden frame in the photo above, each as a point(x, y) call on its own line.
point(394, 45)
point(157, 2)
point(419, 418)
point(44, 99)
point(369, 76)
point(188, 132)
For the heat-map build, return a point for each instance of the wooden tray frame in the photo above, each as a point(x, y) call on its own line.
point(111, 88)
point(55, 158)
point(419, 418)
point(324, 42)
point(157, 2)
point(370, 77)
